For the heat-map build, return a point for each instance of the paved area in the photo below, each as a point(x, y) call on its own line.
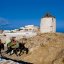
point(3, 61)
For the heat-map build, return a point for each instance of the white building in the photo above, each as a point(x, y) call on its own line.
point(31, 28)
point(48, 24)
point(6, 31)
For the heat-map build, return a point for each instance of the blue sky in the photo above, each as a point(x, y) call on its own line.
point(16, 13)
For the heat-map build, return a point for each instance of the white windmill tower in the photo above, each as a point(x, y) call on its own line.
point(48, 24)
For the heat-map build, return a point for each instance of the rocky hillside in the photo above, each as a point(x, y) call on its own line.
point(46, 39)
point(45, 48)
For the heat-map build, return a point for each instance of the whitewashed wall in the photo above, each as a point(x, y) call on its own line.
point(26, 34)
point(48, 24)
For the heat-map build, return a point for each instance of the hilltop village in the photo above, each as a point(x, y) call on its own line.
point(47, 25)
